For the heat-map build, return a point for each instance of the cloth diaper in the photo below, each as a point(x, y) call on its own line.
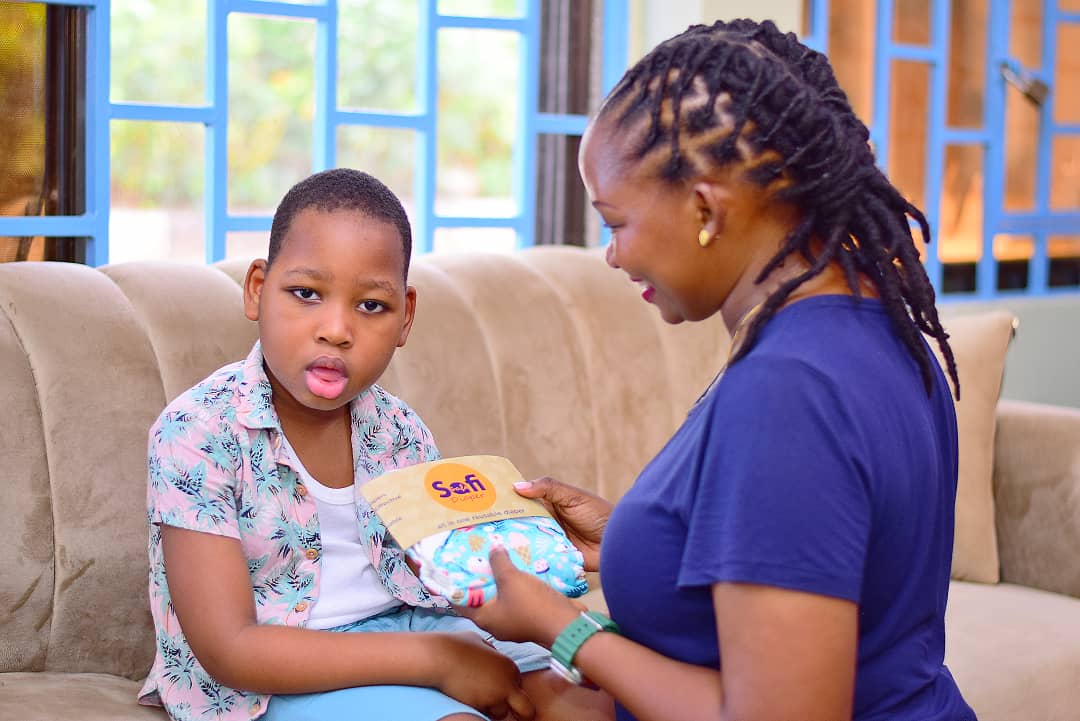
point(454, 564)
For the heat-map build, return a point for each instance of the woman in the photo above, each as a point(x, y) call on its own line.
point(786, 555)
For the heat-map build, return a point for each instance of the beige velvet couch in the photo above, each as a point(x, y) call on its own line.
point(547, 357)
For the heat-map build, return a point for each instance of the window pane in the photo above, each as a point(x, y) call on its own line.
point(42, 248)
point(42, 94)
point(1013, 254)
point(481, 8)
point(477, 123)
point(247, 244)
point(271, 107)
point(157, 192)
point(1021, 150)
point(387, 153)
point(22, 95)
point(960, 222)
point(457, 240)
point(158, 51)
point(1025, 33)
point(377, 42)
point(1065, 183)
point(967, 63)
point(1064, 252)
point(909, 95)
point(911, 22)
point(1066, 90)
point(851, 52)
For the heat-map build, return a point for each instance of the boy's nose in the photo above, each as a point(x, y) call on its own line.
point(334, 328)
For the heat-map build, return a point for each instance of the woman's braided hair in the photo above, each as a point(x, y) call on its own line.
point(712, 92)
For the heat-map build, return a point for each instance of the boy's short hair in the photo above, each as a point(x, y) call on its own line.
point(340, 189)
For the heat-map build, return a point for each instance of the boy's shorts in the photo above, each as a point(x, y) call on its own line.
point(398, 703)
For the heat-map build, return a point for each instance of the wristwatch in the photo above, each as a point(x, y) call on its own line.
point(568, 642)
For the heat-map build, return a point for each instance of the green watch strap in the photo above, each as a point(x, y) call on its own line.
point(571, 638)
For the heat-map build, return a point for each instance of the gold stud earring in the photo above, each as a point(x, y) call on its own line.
point(704, 238)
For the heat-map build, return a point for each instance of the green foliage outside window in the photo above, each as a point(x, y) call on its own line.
point(159, 56)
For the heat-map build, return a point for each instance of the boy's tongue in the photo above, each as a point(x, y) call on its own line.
point(325, 382)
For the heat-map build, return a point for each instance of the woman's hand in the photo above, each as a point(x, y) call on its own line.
point(582, 515)
point(524, 608)
point(473, 672)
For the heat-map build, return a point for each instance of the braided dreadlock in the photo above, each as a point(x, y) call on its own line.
point(790, 116)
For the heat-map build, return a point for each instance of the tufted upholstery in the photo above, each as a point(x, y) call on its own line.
point(545, 356)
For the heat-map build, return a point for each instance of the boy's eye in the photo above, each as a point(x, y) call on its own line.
point(304, 293)
point(372, 306)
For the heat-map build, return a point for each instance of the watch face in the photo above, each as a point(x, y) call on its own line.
point(570, 674)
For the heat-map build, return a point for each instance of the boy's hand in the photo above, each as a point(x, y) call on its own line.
point(524, 608)
point(479, 676)
point(582, 515)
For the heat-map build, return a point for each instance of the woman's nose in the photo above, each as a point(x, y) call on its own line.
point(609, 254)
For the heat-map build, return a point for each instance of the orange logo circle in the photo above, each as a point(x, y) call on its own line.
point(459, 487)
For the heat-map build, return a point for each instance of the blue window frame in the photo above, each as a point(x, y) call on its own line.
point(94, 223)
point(1041, 221)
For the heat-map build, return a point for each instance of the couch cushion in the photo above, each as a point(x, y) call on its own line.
point(979, 343)
point(98, 389)
point(84, 696)
point(26, 581)
point(1014, 650)
point(193, 338)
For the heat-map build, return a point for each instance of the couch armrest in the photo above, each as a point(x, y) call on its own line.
point(1037, 495)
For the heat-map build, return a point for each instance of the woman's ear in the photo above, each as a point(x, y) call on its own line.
point(253, 287)
point(711, 203)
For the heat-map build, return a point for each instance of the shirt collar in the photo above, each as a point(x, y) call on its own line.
point(255, 409)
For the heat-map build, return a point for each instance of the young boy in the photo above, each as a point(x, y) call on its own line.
point(264, 561)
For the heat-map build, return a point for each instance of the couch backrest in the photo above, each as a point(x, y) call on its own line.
point(542, 356)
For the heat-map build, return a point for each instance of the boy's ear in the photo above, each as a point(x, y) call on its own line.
point(253, 287)
point(410, 313)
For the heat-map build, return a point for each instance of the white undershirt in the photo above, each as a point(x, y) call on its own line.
point(349, 587)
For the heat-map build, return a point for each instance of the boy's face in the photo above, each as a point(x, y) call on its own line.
point(331, 309)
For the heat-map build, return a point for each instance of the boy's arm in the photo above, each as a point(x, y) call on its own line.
point(213, 599)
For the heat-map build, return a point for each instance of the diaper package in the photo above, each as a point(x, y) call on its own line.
point(449, 514)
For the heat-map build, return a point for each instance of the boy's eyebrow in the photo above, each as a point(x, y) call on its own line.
point(322, 275)
point(308, 273)
point(365, 283)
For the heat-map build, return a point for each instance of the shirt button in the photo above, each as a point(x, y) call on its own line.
point(300, 607)
point(312, 553)
point(277, 441)
point(301, 490)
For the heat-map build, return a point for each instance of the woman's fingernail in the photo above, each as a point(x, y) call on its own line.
point(523, 485)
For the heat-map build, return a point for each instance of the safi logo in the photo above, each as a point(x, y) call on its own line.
point(459, 487)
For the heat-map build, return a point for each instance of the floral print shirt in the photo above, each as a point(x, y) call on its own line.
point(217, 464)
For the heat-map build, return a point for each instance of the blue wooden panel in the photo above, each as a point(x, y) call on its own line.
point(324, 147)
point(97, 134)
point(427, 91)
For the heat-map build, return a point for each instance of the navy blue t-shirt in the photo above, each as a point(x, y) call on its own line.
point(817, 463)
